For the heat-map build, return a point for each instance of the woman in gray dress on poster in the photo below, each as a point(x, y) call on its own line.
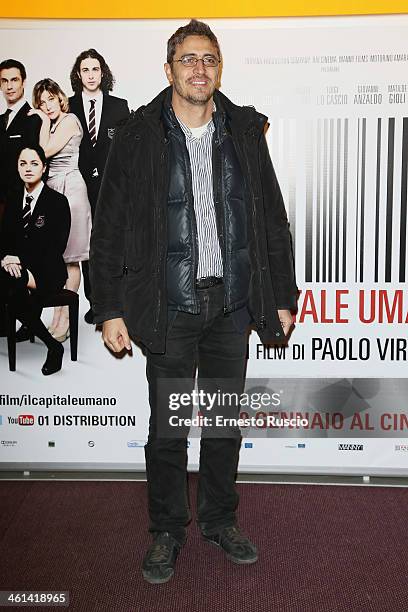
point(60, 136)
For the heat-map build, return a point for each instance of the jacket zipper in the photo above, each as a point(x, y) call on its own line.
point(262, 320)
point(156, 223)
point(125, 267)
point(194, 223)
point(156, 214)
point(227, 287)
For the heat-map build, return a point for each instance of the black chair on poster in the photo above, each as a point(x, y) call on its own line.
point(65, 297)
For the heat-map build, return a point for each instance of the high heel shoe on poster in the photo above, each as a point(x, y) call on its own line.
point(63, 337)
point(53, 363)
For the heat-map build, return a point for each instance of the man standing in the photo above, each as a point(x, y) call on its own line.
point(16, 127)
point(191, 243)
point(99, 114)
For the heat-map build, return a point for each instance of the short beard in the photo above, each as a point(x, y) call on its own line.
point(195, 101)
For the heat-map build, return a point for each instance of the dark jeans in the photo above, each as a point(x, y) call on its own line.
point(210, 342)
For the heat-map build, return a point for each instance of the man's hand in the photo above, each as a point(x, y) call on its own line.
point(115, 335)
point(286, 320)
point(12, 265)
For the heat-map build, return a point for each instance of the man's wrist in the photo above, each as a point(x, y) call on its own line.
point(107, 316)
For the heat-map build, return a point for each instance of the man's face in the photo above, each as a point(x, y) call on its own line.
point(12, 85)
point(195, 84)
point(30, 167)
point(90, 74)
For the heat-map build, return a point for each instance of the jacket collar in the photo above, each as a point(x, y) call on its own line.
point(21, 115)
point(39, 207)
point(241, 119)
point(160, 116)
point(172, 127)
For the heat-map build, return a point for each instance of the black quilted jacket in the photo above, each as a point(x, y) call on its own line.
point(129, 243)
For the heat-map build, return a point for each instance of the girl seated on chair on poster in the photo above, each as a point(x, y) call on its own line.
point(34, 235)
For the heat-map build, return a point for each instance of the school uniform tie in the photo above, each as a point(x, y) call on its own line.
point(27, 211)
point(92, 122)
point(5, 116)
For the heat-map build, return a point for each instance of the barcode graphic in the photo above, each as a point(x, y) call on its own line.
point(344, 182)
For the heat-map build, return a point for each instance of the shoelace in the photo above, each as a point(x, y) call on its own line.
point(160, 552)
point(234, 535)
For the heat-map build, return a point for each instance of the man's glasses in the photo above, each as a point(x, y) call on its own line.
point(190, 61)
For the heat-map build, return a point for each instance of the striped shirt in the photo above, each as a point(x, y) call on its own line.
point(200, 152)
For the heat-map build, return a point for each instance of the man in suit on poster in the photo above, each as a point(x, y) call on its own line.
point(99, 114)
point(16, 126)
point(190, 245)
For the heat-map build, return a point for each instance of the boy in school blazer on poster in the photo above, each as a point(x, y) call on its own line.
point(99, 114)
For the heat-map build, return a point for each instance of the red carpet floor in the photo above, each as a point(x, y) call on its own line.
point(322, 549)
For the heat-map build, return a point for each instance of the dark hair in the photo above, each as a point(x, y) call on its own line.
point(108, 80)
point(194, 28)
point(12, 63)
point(33, 146)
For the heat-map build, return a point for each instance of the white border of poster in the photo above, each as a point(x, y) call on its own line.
point(336, 94)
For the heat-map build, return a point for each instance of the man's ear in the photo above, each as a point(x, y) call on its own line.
point(168, 71)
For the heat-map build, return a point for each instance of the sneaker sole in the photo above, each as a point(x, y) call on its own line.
point(156, 580)
point(236, 560)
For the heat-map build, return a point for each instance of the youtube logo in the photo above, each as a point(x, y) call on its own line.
point(25, 419)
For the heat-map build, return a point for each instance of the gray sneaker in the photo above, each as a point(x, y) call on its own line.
point(158, 563)
point(236, 546)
